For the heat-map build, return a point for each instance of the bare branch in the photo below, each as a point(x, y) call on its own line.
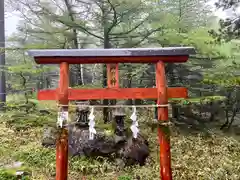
point(56, 3)
point(149, 33)
point(47, 32)
point(46, 12)
point(115, 19)
point(74, 31)
point(59, 19)
point(83, 2)
point(131, 30)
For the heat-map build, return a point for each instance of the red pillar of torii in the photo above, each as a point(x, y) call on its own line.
point(112, 57)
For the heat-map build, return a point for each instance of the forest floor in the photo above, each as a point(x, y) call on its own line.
point(199, 155)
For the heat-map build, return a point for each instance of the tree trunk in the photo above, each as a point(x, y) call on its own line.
point(106, 45)
point(75, 45)
point(2, 58)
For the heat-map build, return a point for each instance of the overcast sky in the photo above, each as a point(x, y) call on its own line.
point(12, 20)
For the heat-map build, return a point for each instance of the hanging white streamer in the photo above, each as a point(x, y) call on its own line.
point(134, 126)
point(92, 130)
point(62, 116)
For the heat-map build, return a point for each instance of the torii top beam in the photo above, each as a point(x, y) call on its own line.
point(122, 55)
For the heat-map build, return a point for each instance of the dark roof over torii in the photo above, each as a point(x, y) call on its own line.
point(168, 51)
point(131, 55)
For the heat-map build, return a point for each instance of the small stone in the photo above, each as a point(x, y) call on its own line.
point(19, 173)
point(120, 163)
point(14, 165)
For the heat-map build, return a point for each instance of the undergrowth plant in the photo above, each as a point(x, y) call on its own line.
point(227, 80)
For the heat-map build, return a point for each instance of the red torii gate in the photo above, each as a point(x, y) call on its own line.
point(112, 57)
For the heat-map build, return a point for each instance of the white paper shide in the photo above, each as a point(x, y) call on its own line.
point(134, 126)
point(62, 116)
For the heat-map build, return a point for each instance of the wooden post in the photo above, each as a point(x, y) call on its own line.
point(62, 141)
point(163, 130)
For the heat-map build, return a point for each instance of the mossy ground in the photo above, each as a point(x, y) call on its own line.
point(196, 155)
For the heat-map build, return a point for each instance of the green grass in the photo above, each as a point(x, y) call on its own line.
point(197, 156)
point(10, 174)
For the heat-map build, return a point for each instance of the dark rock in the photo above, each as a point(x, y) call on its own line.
point(79, 143)
point(135, 151)
point(131, 151)
point(104, 147)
